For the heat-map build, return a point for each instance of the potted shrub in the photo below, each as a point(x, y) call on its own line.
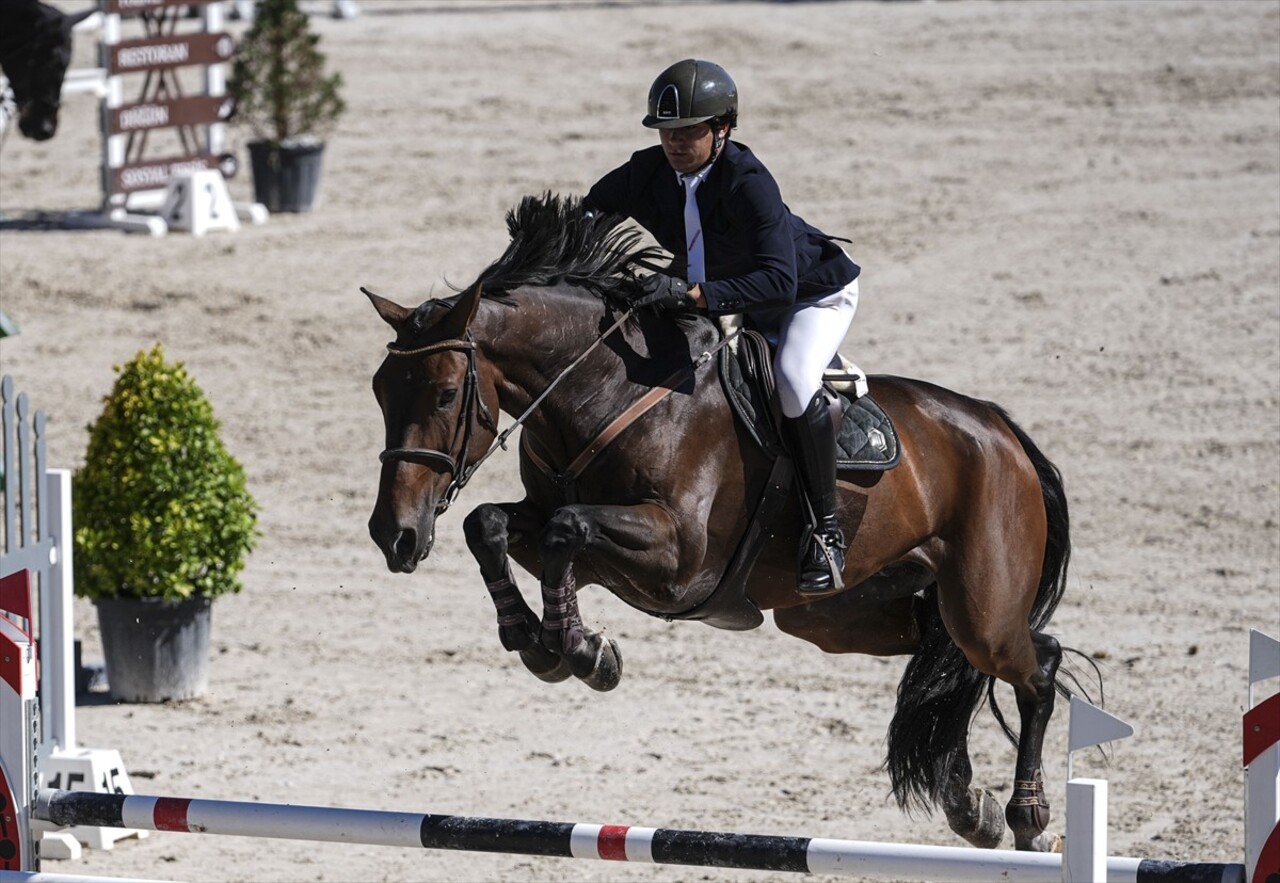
point(163, 525)
point(284, 98)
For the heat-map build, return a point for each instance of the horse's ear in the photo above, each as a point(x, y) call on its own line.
point(390, 311)
point(73, 20)
point(458, 320)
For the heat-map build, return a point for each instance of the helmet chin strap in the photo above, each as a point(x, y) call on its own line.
point(717, 144)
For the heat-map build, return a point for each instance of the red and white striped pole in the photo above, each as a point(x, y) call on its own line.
point(894, 861)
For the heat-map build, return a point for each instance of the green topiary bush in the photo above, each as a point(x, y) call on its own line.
point(281, 91)
point(160, 504)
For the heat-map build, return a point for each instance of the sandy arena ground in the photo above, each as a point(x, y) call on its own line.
point(1071, 208)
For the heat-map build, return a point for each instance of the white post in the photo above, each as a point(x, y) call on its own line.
point(57, 637)
point(113, 146)
point(1085, 859)
point(1086, 849)
point(1262, 772)
point(215, 80)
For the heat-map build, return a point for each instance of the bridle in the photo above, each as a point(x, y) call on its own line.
point(472, 405)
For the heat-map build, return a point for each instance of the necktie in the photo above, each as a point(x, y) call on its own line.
point(693, 231)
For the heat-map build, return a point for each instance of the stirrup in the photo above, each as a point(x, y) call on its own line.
point(832, 547)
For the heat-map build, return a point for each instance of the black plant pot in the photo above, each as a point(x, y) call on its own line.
point(155, 650)
point(286, 177)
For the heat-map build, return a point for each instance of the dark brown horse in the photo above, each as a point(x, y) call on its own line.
point(35, 50)
point(957, 556)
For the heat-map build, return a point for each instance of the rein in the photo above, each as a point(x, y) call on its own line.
point(457, 466)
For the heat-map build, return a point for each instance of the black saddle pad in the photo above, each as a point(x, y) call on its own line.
point(867, 439)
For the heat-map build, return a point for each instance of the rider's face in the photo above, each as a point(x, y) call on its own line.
point(687, 148)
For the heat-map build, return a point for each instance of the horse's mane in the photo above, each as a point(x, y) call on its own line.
point(553, 240)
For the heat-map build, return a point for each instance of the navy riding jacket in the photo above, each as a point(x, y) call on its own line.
point(760, 258)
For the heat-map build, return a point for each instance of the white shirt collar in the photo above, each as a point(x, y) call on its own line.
point(693, 180)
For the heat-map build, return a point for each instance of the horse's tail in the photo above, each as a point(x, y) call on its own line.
point(937, 698)
point(940, 691)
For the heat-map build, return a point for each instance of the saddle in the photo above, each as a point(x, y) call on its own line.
point(866, 440)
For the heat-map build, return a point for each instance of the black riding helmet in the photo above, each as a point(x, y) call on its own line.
point(690, 92)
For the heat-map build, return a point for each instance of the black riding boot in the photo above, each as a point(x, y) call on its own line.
point(813, 441)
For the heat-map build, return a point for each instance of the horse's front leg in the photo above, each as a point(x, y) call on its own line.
point(622, 540)
point(488, 529)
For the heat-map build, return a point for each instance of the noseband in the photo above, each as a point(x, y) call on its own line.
point(471, 406)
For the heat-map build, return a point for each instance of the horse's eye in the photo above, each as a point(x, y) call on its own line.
point(447, 396)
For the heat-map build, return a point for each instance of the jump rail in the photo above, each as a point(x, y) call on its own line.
point(895, 861)
point(25, 810)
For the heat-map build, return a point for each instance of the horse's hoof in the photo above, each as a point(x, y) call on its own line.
point(1042, 842)
point(982, 822)
point(517, 638)
point(607, 671)
point(545, 666)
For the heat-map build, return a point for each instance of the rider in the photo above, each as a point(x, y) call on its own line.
point(712, 204)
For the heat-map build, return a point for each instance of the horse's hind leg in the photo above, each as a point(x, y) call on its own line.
point(488, 529)
point(1028, 810)
point(1028, 661)
point(973, 813)
point(929, 744)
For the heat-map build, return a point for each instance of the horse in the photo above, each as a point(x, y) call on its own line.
point(35, 50)
point(638, 479)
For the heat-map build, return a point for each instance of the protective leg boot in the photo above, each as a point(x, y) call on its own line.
point(813, 441)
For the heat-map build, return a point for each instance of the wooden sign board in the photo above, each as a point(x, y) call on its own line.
point(130, 56)
point(155, 174)
point(115, 7)
point(194, 111)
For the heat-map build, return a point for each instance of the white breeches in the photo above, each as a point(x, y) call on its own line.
point(809, 339)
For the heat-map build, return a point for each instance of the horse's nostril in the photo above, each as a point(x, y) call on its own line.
point(405, 545)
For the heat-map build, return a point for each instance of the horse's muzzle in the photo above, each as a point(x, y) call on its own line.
point(41, 130)
point(37, 125)
point(404, 547)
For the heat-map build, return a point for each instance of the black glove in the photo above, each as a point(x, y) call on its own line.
point(665, 293)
